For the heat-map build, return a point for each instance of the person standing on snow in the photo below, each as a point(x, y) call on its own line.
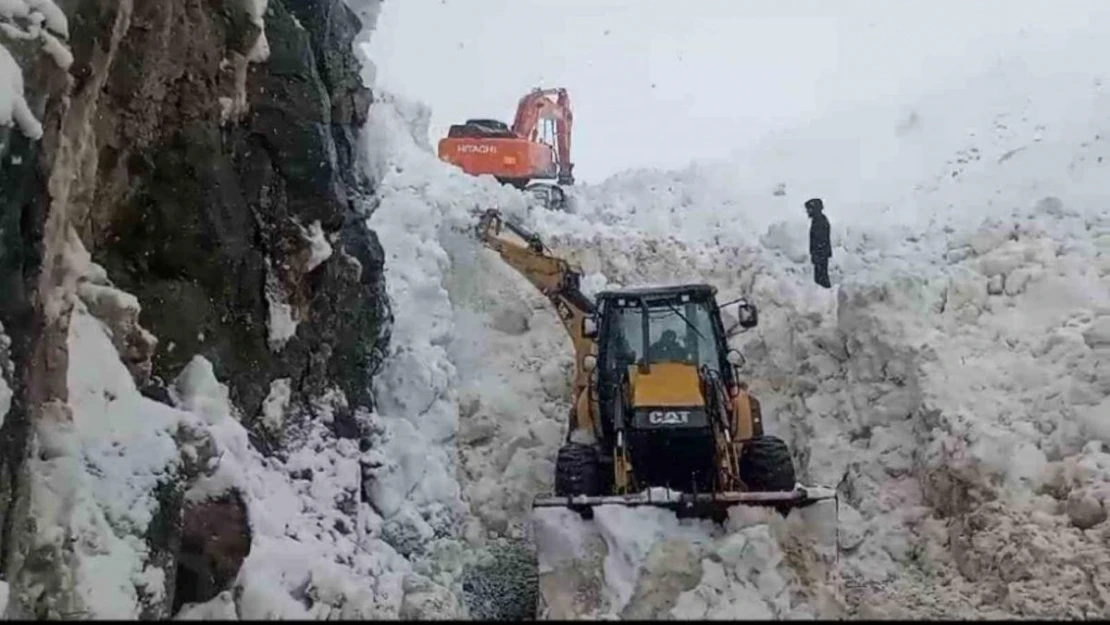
point(820, 248)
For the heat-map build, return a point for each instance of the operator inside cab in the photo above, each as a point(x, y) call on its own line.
point(668, 347)
point(625, 354)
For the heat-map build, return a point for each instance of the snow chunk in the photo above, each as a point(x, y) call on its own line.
point(55, 18)
point(320, 249)
point(282, 324)
point(57, 50)
point(197, 390)
point(219, 608)
point(276, 403)
point(13, 106)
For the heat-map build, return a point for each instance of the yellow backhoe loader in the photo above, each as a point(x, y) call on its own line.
point(660, 416)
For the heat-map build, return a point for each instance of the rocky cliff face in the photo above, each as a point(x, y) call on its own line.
point(202, 152)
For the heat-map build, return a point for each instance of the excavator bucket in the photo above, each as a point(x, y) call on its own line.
point(693, 505)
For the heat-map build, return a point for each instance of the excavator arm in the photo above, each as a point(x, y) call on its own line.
point(537, 106)
point(559, 281)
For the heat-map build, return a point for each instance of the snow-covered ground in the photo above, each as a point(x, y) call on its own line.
point(953, 386)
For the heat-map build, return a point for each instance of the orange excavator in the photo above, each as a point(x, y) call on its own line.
point(536, 147)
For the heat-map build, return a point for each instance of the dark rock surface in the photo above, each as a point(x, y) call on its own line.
point(196, 179)
point(215, 539)
point(208, 209)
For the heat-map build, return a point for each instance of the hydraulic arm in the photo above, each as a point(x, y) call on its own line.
point(559, 281)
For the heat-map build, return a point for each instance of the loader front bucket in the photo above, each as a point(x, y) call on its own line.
point(693, 505)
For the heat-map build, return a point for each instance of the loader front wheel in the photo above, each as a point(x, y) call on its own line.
point(765, 465)
point(577, 471)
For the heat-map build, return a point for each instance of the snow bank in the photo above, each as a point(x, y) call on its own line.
point(425, 208)
point(40, 20)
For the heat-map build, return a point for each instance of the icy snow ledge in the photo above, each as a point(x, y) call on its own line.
point(28, 20)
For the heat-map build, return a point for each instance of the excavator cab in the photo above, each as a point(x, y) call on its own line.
point(535, 147)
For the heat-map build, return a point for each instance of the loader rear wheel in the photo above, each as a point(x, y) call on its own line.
point(577, 470)
point(765, 465)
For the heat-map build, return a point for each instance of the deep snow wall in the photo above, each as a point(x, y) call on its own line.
point(203, 153)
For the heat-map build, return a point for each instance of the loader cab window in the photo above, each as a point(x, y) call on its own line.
point(626, 344)
point(677, 331)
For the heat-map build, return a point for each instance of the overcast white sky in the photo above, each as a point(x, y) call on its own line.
point(659, 83)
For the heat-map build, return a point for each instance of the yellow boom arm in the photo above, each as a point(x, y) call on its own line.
point(558, 280)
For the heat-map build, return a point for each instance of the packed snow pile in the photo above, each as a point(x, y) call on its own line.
point(425, 219)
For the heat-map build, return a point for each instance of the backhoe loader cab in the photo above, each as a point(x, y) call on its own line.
point(663, 359)
point(657, 400)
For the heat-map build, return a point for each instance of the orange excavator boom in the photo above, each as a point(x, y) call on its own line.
point(538, 107)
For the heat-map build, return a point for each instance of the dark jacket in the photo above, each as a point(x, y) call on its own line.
point(819, 245)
